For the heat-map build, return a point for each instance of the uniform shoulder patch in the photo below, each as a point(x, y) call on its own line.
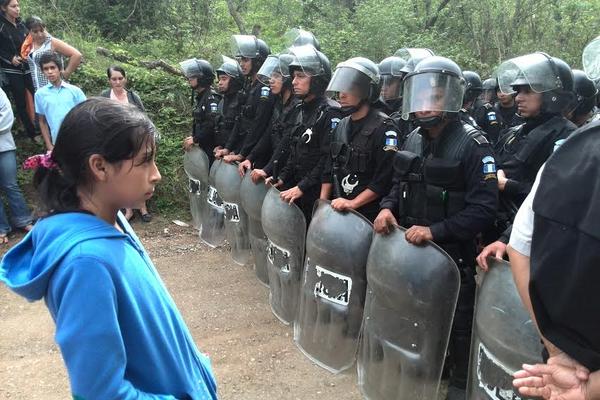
point(391, 141)
point(489, 168)
point(334, 123)
point(264, 92)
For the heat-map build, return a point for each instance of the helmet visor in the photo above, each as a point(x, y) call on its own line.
point(408, 53)
point(190, 68)
point(533, 70)
point(230, 67)
point(349, 80)
point(307, 59)
point(591, 59)
point(244, 46)
point(391, 88)
point(298, 37)
point(271, 68)
point(432, 91)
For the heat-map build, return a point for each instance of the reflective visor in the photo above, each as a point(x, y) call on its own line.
point(432, 91)
point(244, 46)
point(349, 80)
point(391, 88)
point(533, 70)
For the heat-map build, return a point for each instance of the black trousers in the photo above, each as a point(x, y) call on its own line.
point(16, 84)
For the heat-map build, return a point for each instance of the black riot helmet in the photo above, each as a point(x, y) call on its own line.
point(249, 46)
point(437, 84)
point(550, 76)
point(390, 69)
point(412, 56)
point(314, 64)
point(199, 69)
point(299, 37)
point(358, 75)
point(231, 68)
point(585, 92)
point(489, 88)
point(474, 86)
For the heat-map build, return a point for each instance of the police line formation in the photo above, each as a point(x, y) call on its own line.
point(361, 196)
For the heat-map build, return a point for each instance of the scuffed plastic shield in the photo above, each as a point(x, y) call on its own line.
point(334, 282)
point(228, 181)
point(196, 166)
point(504, 337)
point(285, 227)
point(252, 196)
point(213, 213)
point(411, 298)
point(590, 59)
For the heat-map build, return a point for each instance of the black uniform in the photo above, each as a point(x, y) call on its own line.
point(205, 120)
point(229, 111)
point(523, 149)
point(253, 121)
point(283, 119)
point(309, 147)
point(487, 119)
point(507, 116)
point(449, 184)
point(566, 248)
point(361, 157)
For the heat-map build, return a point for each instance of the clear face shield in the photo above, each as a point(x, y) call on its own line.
point(533, 70)
point(189, 67)
point(244, 46)
point(307, 59)
point(270, 69)
point(591, 59)
point(348, 80)
point(391, 88)
point(296, 37)
point(433, 92)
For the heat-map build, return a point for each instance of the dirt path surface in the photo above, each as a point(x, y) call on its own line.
point(225, 307)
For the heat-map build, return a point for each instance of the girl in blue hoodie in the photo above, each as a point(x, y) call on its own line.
point(120, 333)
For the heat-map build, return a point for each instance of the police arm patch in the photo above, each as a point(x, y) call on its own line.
point(489, 167)
point(391, 141)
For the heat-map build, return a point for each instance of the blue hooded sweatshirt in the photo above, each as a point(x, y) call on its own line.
point(120, 333)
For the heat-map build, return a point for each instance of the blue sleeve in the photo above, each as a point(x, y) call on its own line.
point(83, 301)
point(39, 108)
point(80, 96)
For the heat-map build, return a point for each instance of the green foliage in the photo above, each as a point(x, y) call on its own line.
point(477, 34)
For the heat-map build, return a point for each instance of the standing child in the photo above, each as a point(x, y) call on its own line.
point(120, 334)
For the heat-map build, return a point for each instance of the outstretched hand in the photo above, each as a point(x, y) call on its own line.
point(551, 382)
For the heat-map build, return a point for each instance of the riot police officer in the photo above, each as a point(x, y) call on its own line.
point(544, 92)
point(471, 100)
point(230, 83)
point(445, 188)
point(300, 178)
point(275, 72)
point(390, 70)
point(363, 144)
point(258, 107)
point(486, 116)
point(200, 76)
point(584, 109)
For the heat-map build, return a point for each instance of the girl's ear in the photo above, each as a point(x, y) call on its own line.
point(98, 167)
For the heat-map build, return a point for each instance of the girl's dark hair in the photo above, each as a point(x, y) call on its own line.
point(34, 22)
point(115, 68)
point(4, 3)
point(101, 126)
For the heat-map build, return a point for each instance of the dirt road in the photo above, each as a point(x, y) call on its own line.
point(224, 305)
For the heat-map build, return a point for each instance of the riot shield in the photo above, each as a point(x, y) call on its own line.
point(285, 227)
point(411, 297)
point(213, 214)
point(332, 294)
point(504, 337)
point(228, 182)
point(196, 166)
point(252, 196)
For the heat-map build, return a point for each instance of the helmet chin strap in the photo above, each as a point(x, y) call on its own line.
point(429, 122)
point(349, 110)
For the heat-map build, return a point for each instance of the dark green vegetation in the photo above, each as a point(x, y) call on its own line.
point(477, 34)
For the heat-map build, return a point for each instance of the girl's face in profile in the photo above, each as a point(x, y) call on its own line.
point(133, 181)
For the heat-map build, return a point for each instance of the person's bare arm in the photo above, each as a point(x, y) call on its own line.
point(69, 51)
